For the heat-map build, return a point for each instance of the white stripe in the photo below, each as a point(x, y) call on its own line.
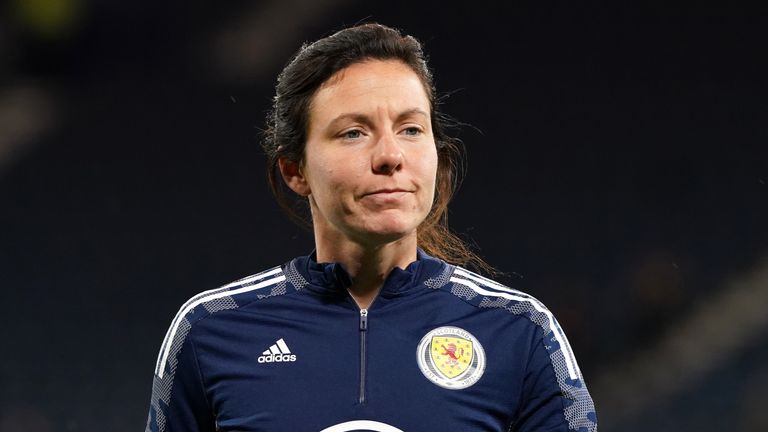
point(274, 349)
point(356, 425)
point(570, 361)
point(165, 351)
point(498, 286)
point(283, 346)
point(486, 281)
point(254, 277)
point(179, 316)
point(267, 352)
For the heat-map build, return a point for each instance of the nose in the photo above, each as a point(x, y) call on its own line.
point(387, 156)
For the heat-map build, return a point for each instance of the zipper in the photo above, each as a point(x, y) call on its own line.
point(363, 331)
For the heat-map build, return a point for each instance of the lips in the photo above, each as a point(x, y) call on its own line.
point(386, 191)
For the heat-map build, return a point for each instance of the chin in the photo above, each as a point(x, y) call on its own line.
point(389, 232)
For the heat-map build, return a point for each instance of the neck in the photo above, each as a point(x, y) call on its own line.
point(367, 265)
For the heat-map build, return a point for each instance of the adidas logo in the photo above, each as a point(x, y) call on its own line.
point(278, 352)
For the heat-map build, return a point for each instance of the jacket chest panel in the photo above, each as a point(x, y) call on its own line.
point(309, 378)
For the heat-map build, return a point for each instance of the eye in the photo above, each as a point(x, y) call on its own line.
point(412, 131)
point(352, 134)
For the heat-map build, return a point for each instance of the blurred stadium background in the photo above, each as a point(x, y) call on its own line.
point(617, 171)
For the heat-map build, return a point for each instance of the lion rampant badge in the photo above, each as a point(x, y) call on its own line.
point(451, 357)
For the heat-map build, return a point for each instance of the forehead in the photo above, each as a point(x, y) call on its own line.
point(369, 86)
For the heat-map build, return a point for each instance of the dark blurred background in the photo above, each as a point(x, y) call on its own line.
point(617, 171)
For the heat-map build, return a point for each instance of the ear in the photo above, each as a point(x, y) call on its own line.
point(293, 177)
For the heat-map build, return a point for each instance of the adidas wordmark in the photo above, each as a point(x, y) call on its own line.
point(278, 352)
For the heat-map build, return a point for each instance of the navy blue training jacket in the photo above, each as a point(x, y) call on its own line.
point(439, 349)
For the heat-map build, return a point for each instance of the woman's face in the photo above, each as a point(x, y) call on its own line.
point(370, 160)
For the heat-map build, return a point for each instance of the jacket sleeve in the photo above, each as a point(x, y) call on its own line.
point(178, 396)
point(552, 398)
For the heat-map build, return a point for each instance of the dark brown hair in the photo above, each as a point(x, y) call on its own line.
point(288, 122)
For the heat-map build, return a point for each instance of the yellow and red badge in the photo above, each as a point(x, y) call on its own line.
point(451, 357)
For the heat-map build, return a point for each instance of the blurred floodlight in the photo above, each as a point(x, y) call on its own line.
point(48, 19)
point(266, 35)
point(26, 112)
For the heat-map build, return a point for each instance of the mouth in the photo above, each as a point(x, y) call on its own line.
point(387, 192)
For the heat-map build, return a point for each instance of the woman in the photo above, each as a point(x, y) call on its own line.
point(375, 330)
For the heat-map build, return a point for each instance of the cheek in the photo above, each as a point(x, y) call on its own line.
point(331, 182)
point(428, 175)
point(431, 162)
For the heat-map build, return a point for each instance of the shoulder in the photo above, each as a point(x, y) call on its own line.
point(579, 409)
point(265, 284)
point(487, 293)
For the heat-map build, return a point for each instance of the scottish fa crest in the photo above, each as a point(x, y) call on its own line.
point(451, 357)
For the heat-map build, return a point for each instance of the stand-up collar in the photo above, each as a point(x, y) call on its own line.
point(333, 278)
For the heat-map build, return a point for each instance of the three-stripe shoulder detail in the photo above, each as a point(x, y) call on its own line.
point(490, 288)
point(261, 280)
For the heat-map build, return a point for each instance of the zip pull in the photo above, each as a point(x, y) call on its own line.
point(363, 319)
point(363, 334)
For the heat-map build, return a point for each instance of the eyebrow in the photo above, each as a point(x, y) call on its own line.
point(363, 118)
